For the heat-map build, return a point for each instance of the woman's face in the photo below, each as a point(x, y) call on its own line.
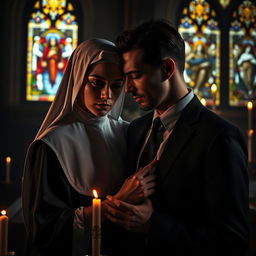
point(102, 87)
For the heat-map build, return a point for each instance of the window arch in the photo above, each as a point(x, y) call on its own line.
point(52, 36)
point(199, 28)
point(242, 52)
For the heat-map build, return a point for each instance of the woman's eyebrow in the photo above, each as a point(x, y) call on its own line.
point(101, 77)
point(98, 76)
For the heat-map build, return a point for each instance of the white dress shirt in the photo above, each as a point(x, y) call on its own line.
point(168, 118)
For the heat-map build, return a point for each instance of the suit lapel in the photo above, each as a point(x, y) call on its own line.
point(181, 133)
point(178, 139)
point(138, 130)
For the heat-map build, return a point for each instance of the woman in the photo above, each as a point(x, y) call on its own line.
point(79, 146)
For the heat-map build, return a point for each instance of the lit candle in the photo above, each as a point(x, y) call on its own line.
point(213, 91)
point(96, 224)
point(249, 107)
point(250, 134)
point(8, 170)
point(3, 233)
point(203, 101)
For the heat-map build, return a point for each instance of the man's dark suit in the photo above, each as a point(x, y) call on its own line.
point(201, 199)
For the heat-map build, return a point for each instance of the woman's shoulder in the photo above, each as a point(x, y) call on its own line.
point(63, 132)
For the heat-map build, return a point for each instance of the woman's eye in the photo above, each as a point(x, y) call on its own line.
point(96, 83)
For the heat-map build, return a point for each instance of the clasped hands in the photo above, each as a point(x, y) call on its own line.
point(130, 206)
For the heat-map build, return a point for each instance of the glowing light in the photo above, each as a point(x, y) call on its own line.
point(203, 101)
point(249, 105)
point(95, 193)
point(3, 212)
point(214, 88)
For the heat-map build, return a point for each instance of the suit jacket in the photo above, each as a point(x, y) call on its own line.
point(201, 201)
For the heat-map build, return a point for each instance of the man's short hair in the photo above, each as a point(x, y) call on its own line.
point(158, 38)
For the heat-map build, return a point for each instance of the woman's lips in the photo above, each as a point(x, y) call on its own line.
point(103, 105)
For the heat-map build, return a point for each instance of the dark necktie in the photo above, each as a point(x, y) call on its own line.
point(153, 143)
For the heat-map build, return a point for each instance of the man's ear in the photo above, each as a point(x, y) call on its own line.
point(168, 67)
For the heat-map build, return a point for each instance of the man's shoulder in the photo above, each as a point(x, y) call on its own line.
point(219, 123)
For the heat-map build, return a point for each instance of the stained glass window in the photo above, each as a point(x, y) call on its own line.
point(52, 36)
point(224, 3)
point(242, 40)
point(199, 28)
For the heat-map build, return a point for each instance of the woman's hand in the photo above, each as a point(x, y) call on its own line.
point(138, 186)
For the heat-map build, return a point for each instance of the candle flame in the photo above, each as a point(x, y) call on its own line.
point(249, 105)
point(8, 159)
point(250, 132)
point(214, 88)
point(3, 212)
point(95, 193)
point(203, 101)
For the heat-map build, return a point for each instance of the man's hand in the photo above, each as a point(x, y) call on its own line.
point(132, 217)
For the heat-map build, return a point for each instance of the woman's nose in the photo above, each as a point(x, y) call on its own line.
point(106, 93)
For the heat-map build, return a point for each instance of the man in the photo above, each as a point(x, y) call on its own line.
point(200, 204)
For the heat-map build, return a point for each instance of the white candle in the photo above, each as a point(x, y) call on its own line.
point(96, 224)
point(250, 135)
point(249, 107)
point(3, 233)
point(8, 170)
point(213, 91)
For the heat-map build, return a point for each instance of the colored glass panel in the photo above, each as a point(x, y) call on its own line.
point(242, 40)
point(199, 28)
point(224, 3)
point(52, 36)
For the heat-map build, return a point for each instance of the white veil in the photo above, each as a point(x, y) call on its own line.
point(76, 155)
point(87, 53)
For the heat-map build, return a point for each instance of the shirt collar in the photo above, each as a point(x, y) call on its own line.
point(173, 112)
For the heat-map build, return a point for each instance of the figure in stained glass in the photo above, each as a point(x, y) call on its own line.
point(52, 36)
point(242, 38)
point(200, 64)
point(52, 63)
point(247, 66)
point(199, 28)
point(37, 55)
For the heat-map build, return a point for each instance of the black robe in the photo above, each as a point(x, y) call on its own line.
point(50, 204)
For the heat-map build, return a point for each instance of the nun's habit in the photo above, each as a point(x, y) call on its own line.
point(72, 153)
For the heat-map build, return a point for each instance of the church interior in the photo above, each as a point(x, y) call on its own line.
point(220, 38)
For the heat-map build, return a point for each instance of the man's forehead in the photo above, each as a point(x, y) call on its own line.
point(133, 58)
point(136, 53)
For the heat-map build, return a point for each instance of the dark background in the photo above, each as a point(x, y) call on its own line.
point(20, 120)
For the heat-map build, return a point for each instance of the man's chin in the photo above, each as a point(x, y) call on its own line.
point(145, 107)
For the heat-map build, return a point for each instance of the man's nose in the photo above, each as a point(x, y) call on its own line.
point(129, 87)
point(106, 92)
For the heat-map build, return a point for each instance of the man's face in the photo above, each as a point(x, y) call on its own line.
point(144, 81)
